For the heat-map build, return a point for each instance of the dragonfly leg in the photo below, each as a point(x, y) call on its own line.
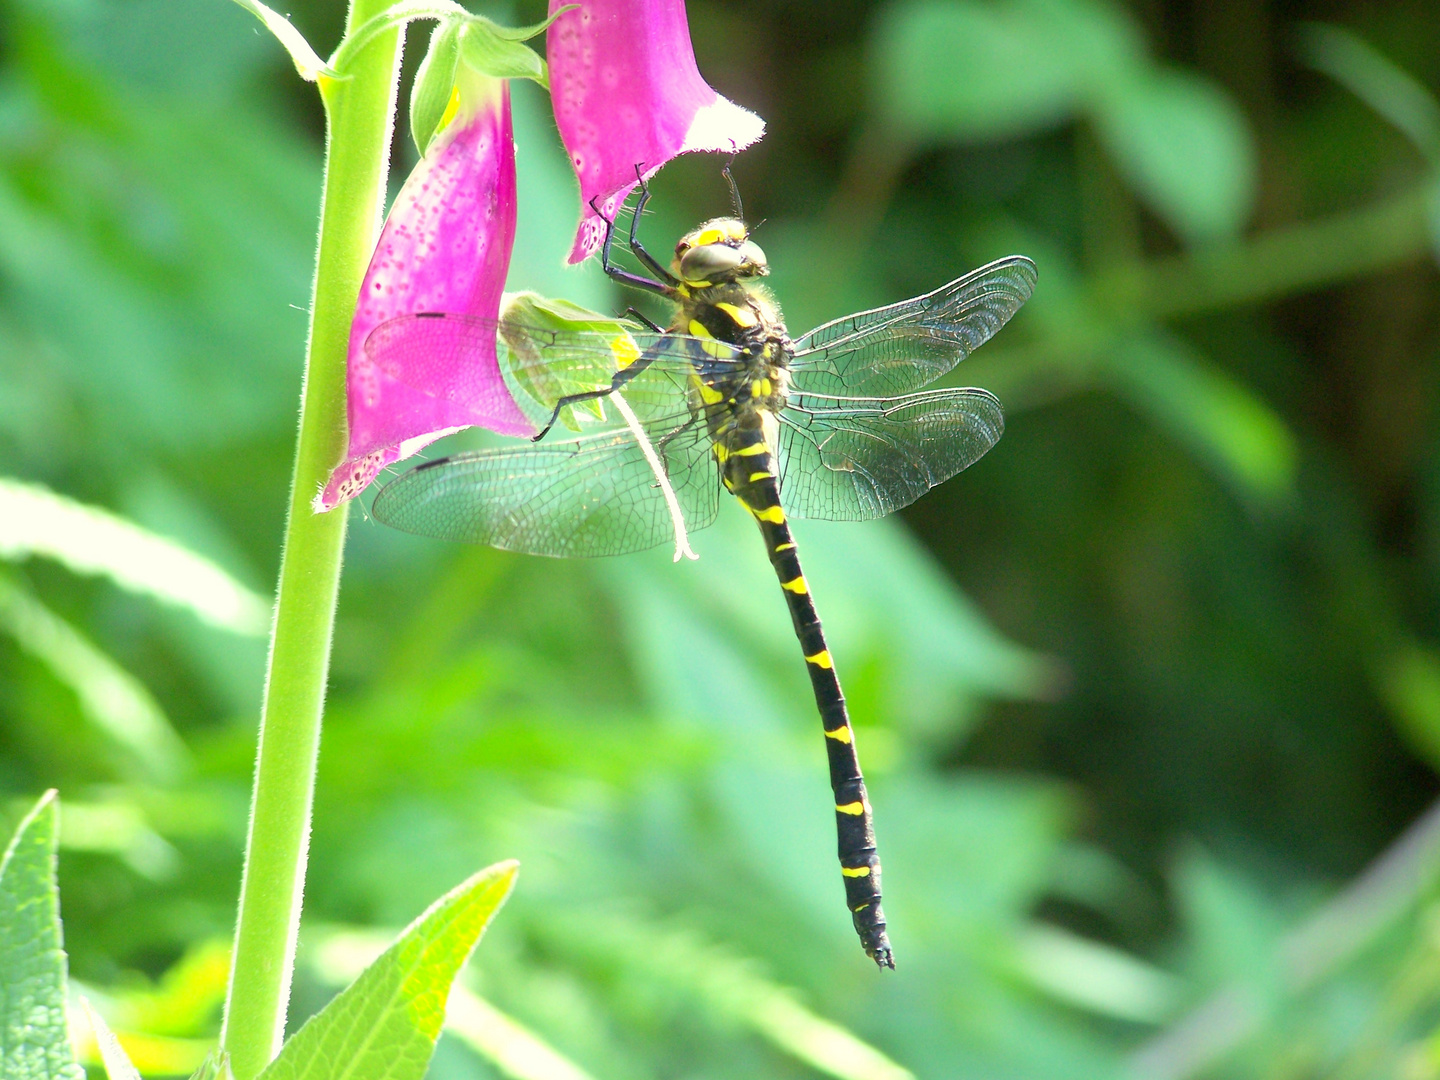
point(635, 281)
point(734, 190)
point(635, 245)
point(623, 376)
point(641, 317)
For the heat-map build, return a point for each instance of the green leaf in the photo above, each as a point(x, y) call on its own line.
point(1234, 927)
point(1095, 976)
point(307, 63)
point(722, 985)
point(434, 85)
point(521, 33)
point(1409, 678)
point(88, 540)
point(34, 1040)
point(1432, 216)
point(117, 1062)
point(980, 70)
point(487, 49)
point(110, 697)
point(1185, 147)
point(547, 383)
point(1376, 80)
point(215, 1067)
point(969, 71)
point(384, 1025)
point(1199, 403)
point(516, 1051)
point(490, 53)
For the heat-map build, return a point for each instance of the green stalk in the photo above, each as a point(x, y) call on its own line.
point(359, 113)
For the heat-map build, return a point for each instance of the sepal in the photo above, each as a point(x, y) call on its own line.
point(500, 56)
point(433, 92)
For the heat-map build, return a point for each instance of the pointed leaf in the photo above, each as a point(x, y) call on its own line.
point(384, 1025)
point(215, 1067)
point(110, 697)
point(1096, 977)
point(117, 1062)
point(513, 1049)
point(88, 540)
point(307, 63)
point(34, 1040)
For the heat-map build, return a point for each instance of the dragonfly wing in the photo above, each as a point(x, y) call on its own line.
point(444, 354)
point(592, 496)
point(900, 348)
point(851, 459)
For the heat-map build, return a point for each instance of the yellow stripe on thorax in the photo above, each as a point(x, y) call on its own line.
point(718, 349)
point(840, 734)
point(742, 317)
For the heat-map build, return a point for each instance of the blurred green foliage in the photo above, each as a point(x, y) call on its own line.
point(1127, 782)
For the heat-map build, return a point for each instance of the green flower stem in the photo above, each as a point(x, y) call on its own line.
point(1307, 255)
point(360, 109)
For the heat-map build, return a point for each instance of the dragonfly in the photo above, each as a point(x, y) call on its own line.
point(835, 425)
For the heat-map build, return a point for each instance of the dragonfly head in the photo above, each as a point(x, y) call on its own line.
point(718, 251)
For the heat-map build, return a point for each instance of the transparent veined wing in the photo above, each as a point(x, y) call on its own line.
point(900, 348)
point(852, 459)
point(540, 366)
point(597, 495)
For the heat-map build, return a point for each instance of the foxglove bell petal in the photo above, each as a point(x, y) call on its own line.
point(627, 92)
point(445, 247)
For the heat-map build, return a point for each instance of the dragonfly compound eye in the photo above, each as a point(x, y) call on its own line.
point(754, 258)
point(711, 262)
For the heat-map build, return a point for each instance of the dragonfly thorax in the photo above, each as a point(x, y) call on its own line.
point(739, 320)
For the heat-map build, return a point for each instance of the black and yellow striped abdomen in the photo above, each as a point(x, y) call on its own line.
point(748, 469)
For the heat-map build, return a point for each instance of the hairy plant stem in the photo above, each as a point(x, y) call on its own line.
point(359, 111)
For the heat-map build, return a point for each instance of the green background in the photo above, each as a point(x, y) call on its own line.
point(1142, 695)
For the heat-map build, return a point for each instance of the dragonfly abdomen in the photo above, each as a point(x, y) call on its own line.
point(749, 472)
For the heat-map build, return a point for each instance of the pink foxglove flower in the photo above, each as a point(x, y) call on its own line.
point(626, 92)
point(445, 248)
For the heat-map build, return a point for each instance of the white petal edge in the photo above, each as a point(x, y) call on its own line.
point(722, 125)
